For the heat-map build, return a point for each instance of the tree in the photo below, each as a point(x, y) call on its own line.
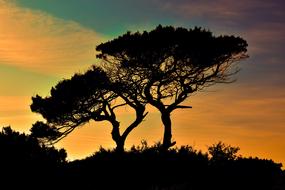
point(44, 133)
point(17, 148)
point(84, 97)
point(169, 64)
point(221, 152)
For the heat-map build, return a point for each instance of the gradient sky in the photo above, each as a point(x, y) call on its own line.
point(44, 41)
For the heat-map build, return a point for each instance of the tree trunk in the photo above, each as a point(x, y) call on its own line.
point(166, 120)
point(120, 145)
point(119, 140)
point(139, 118)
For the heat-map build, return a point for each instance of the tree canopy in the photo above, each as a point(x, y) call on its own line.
point(84, 97)
point(170, 64)
point(73, 102)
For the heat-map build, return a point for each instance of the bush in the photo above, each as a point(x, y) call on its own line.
point(24, 158)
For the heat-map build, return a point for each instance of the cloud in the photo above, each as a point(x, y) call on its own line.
point(227, 113)
point(260, 22)
point(250, 117)
point(266, 40)
point(228, 12)
point(15, 112)
point(37, 41)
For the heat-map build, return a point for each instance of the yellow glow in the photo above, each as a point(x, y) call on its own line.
point(15, 112)
point(253, 124)
point(244, 116)
point(38, 41)
point(256, 124)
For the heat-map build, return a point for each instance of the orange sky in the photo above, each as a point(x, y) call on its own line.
point(37, 49)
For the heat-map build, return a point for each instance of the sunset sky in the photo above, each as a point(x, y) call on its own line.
point(44, 41)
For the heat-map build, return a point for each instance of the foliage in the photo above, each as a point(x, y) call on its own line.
point(150, 167)
point(18, 147)
point(221, 152)
point(169, 64)
point(89, 96)
point(25, 162)
point(162, 67)
point(72, 103)
point(43, 131)
point(142, 167)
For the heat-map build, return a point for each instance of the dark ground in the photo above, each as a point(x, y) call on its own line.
point(25, 164)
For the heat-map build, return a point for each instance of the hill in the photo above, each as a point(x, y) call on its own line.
point(26, 163)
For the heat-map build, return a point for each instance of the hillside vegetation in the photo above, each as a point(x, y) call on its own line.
point(26, 163)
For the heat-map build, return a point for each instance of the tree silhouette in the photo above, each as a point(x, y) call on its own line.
point(25, 149)
point(169, 64)
point(25, 162)
point(44, 132)
point(221, 152)
point(84, 97)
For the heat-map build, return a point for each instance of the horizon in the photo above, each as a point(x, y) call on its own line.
point(43, 42)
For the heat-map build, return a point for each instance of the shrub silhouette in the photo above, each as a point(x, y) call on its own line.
point(150, 167)
point(26, 163)
point(142, 167)
point(221, 152)
point(24, 158)
point(22, 147)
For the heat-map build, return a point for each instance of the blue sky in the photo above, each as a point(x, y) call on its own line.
point(107, 16)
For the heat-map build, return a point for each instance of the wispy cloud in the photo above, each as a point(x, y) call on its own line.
point(38, 41)
point(241, 13)
point(266, 39)
point(260, 22)
point(15, 112)
point(36, 50)
point(245, 116)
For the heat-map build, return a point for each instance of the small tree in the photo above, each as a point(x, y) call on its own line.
point(221, 152)
point(80, 99)
point(169, 64)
